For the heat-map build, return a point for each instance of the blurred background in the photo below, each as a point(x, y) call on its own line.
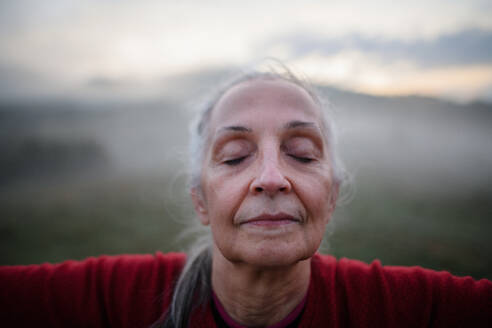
point(96, 96)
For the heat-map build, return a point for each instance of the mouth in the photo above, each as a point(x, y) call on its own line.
point(277, 219)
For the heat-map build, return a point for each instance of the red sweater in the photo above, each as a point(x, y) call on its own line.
point(134, 290)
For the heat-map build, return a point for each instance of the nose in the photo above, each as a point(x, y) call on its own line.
point(270, 179)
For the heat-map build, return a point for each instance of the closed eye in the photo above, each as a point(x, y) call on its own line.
point(302, 159)
point(235, 161)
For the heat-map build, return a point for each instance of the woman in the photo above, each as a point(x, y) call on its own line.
point(265, 179)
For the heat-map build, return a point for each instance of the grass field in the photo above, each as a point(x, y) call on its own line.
point(54, 222)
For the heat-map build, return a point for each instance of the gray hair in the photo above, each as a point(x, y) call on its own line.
point(193, 288)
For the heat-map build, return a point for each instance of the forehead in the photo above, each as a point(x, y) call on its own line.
point(260, 100)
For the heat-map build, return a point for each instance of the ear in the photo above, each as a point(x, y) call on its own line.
point(200, 205)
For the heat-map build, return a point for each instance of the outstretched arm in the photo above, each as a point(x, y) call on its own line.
point(120, 291)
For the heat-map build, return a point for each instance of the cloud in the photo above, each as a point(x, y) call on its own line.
point(109, 44)
point(366, 73)
point(465, 47)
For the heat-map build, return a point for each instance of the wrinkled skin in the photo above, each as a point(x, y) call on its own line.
point(266, 185)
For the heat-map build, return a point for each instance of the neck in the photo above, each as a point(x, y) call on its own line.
point(255, 296)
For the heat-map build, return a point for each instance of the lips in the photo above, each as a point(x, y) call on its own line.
point(271, 219)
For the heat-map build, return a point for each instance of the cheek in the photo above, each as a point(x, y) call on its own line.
point(316, 195)
point(223, 194)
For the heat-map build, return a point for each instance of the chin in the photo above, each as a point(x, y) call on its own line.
point(268, 256)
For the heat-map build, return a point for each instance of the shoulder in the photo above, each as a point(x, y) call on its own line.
point(101, 271)
point(124, 289)
point(103, 274)
point(400, 293)
point(105, 264)
point(375, 274)
point(355, 269)
point(170, 262)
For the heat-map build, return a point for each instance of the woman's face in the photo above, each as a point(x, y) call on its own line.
point(266, 184)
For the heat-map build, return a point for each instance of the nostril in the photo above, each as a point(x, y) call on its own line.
point(258, 189)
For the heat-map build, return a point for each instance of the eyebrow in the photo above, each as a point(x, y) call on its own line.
point(236, 128)
point(299, 124)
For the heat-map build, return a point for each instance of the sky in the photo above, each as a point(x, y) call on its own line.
point(64, 47)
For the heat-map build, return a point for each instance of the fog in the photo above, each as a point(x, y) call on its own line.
point(419, 143)
point(107, 174)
